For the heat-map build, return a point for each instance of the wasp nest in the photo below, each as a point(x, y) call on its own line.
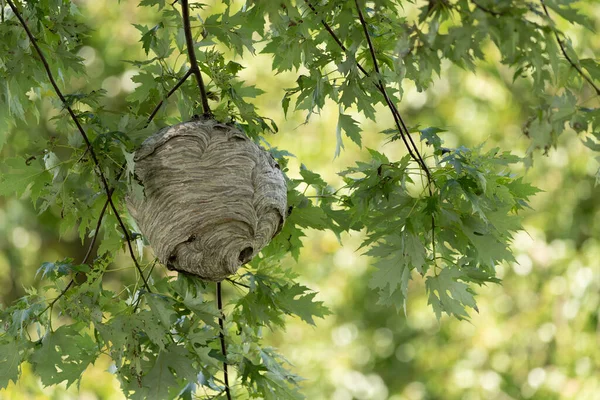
point(212, 198)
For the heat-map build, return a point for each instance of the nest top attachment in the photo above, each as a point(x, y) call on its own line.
point(212, 198)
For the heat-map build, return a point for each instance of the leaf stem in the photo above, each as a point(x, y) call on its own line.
point(83, 134)
point(185, 12)
point(222, 336)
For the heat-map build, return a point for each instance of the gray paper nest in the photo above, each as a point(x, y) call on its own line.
point(212, 198)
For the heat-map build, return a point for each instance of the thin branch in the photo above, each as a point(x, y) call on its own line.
point(61, 294)
point(83, 134)
point(222, 336)
point(103, 211)
point(487, 10)
point(150, 118)
point(398, 118)
point(336, 38)
point(87, 254)
point(395, 113)
point(99, 223)
point(237, 283)
point(111, 191)
point(185, 12)
point(401, 126)
point(159, 105)
point(564, 51)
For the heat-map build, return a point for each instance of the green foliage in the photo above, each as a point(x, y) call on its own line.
point(450, 223)
point(63, 355)
point(460, 231)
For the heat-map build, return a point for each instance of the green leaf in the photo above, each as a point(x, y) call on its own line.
point(285, 104)
point(150, 3)
point(350, 127)
point(162, 308)
point(447, 294)
point(10, 360)
point(571, 14)
point(112, 241)
point(64, 355)
point(20, 175)
point(430, 135)
point(397, 256)
point(298, 300)
point(149, 38)
point(172, 368)
point(522, 190)
point(60, 269)
point(312, 178)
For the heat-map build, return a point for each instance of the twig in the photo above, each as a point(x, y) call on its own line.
point(398, 118)
point(150, 118)
point(99, 222)
point(564, 51)
point(159, 105)
point(98, 225)
point(87, 254)
point(185, 12)
point(237, 283)
point(487, 10)
point(222, 336)
point(61, 294)
point(336, 38)
point(392, 106)
point(83, 134)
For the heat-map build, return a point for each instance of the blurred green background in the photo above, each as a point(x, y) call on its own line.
point(537, 335)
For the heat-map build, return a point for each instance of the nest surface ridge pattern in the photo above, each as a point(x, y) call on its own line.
point(212, 198)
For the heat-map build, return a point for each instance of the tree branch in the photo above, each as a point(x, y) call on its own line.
point(395, 113)
point(487, 10)
point(159, 105)
point(564, 51)
point(83, 134)
point(400, 125)
point(222, 337)
point(106, 203)
point(185, 12)
point(61, 294)
point(237, 283)
point(150, 118)
point(336, 38)
point(398, 119)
